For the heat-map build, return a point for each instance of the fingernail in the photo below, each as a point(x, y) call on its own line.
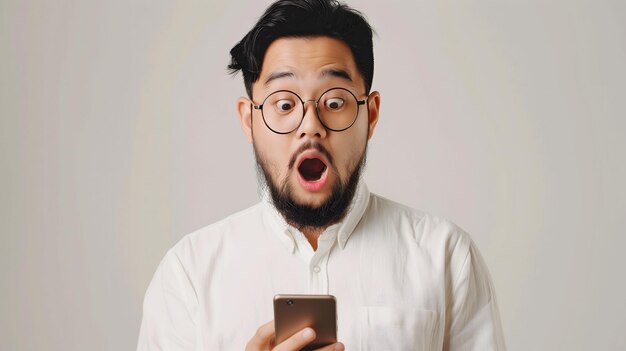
point(339, 347)
point(307, 334)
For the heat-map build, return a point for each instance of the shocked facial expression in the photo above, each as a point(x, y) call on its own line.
point(310, 160)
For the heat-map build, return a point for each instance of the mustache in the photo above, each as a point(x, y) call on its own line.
point(311, 145)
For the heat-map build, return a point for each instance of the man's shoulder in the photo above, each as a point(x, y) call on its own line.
point(214, 234)
point(388, 207)
point(381, 206)
point(425, 228)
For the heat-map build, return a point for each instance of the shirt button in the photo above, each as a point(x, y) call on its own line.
point(316, 269)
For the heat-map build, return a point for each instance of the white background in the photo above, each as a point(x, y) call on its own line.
point(118, 135)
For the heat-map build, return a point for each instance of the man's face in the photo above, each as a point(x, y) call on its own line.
point(311, 162)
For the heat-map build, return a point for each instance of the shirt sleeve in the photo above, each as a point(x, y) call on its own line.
point(169, 307)
point(473, 320)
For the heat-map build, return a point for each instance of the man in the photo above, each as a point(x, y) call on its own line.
point(403, 280)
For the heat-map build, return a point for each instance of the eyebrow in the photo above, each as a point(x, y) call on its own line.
point(332, 72)
point(277, 75)
point(335, 72)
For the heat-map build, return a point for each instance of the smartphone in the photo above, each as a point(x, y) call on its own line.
point(293, 313)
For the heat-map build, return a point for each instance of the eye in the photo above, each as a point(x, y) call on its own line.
point(334, 103)
point(284, 105)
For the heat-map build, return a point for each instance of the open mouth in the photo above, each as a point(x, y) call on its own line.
point(312, 169)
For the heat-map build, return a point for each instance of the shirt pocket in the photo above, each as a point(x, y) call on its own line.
point(398, 329)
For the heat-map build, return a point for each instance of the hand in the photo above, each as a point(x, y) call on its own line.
point(265, 338)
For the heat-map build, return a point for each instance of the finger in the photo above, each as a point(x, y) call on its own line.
point(297, 340)
point(263, 337)
point(333, 347)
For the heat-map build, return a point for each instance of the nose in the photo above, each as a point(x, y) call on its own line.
point(311, 125)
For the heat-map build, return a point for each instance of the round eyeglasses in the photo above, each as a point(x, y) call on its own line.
point(337, 110)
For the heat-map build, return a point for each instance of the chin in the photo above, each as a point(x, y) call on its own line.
point(312, 200)
point(309, 198)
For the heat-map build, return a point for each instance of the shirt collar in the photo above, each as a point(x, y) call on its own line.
point(344, 228)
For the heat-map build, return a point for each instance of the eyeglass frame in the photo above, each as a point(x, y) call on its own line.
point(317, 112)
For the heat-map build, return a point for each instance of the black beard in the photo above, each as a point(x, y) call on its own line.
point(306, 216)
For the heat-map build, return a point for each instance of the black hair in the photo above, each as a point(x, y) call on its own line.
point(304, 18)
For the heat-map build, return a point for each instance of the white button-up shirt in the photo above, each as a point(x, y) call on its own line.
point(403, 280)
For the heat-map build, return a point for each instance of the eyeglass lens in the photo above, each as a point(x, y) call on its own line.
point(283, 110)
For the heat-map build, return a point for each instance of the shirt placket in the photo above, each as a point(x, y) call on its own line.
point(318, 275)
point(318, 267)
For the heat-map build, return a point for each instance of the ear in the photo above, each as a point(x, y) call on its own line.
point(373, 108)
point(244, 109)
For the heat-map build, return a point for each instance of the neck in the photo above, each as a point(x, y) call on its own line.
point(312, 234)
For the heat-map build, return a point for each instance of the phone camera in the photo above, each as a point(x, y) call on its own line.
point(290, 302)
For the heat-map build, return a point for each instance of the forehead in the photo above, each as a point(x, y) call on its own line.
point(309, 58)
